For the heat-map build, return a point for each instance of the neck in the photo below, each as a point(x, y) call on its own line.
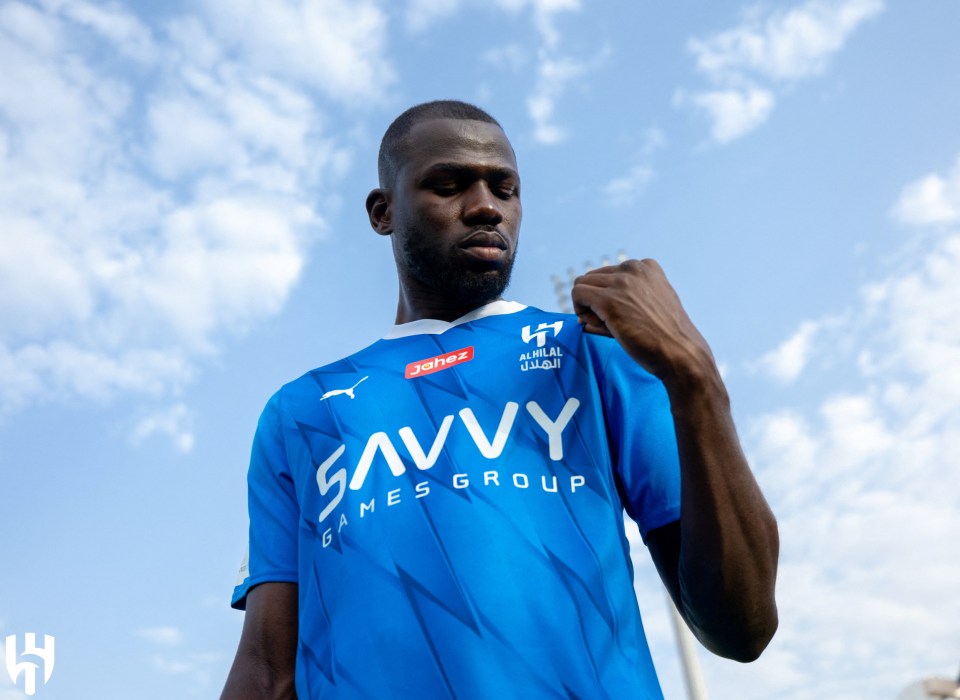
point(414, 306)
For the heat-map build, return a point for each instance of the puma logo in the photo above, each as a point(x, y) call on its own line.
point(348, 392)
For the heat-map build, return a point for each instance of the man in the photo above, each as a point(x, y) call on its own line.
point(440, 514)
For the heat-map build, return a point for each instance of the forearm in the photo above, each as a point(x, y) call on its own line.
point(720, 562)
point(253, 679)
point(729, 544)
point(265, 665)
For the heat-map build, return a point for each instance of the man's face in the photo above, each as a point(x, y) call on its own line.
point(456, 210)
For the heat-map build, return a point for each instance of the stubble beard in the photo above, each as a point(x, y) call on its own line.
point(438, 269)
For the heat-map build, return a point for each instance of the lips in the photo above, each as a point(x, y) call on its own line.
point(485, 246)
point(484, 239)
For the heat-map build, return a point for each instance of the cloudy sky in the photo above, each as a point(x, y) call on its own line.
point(182, 230)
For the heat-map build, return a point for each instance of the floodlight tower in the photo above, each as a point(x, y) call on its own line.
point(562, 285)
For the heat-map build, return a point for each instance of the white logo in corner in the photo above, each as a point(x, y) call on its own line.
point(543, 357)
point(541, 333)
point(348, 392)
point(29, 669)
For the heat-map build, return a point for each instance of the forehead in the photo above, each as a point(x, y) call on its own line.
point(460, 141)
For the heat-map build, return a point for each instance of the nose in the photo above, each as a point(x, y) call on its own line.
point(480, 205)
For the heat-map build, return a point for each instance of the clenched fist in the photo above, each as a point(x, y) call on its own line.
point(634, 303)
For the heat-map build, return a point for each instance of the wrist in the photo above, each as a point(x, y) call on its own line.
point(692, 370)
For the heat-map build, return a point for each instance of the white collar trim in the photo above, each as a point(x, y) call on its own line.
point(431, 326)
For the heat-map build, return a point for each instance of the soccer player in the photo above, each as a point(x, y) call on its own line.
point(440, 515)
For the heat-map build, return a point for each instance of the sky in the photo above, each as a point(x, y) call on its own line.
point(182, 231)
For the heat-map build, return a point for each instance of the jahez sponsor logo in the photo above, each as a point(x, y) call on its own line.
point(435, 364)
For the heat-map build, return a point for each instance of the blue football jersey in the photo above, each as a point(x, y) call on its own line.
point(450, 501)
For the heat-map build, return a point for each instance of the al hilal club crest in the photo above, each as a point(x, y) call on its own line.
point(28, 667)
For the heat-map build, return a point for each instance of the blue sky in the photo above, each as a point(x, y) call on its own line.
point(182, 231)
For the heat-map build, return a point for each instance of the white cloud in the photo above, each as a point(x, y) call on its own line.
point(336, 46)
point(786, 45)
point(787, 361)
point(511, 57)
point(54, 370)
point(733, 112)
point(934, 199)
point(172, 422)
point(553, 76)
point(420, 15)
point(863, 484)
point(28, 25)
point(545, 13)
point(222, 264)
point(624, 190)
point(555, 73)
point(554, 70)
point(197, 669)
point(113, 24)
point(200, 670)
point(653, 140)
point(163, 636)
point(171, 666)
point(145, 219)
point(777, 49)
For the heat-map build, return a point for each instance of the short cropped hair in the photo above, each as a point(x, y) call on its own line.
point(392, 147)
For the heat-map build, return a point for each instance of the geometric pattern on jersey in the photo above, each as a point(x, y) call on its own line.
point(459, 533)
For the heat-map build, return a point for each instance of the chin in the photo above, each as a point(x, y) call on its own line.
point(480, 287)
point(459, 281)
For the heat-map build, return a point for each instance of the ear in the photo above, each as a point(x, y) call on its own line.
point(380, 210)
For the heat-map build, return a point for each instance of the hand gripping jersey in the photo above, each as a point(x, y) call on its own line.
point(450, 501)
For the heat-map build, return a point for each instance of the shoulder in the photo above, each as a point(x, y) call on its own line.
point(613, 363)
point(535, 312)
point(341, 375)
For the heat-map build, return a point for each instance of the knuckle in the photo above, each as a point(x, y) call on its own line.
point(652, 264)
point(581, 279)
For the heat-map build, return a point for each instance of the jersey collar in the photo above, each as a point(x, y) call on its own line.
point(431, 326)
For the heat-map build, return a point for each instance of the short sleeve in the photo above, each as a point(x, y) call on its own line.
point(273, 508)
point(642, 437)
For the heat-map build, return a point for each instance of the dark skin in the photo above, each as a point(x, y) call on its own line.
point(265, 664)
point(457, 197)
point(719, 561)
point(456, 203)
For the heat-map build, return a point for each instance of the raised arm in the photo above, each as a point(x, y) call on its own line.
point(719, 561)
point(264, 667)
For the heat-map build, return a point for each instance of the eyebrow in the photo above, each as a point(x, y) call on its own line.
point(459, 169)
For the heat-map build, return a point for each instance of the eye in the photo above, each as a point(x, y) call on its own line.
point(505, 189)
point(443, 186)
